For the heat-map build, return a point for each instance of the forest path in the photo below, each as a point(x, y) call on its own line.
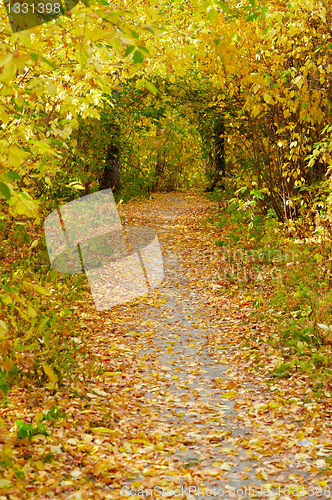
point(179, 412)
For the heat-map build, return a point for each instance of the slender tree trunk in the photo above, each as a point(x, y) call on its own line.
point(160, 163)
point(219, 152)
point(219, 163)
point(111, 177)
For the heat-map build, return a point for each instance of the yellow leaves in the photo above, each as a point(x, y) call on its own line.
point(299, 81)
point(5, 483)
point(40, 465)
point(229, 394)
point(32, 313)
point(3, 330)
point(25, 38)
point(116, 43)
point(104, 430)
point(213, 15)
point(51, 89)
point(267, 98)
point(112, 374)
point(43, 147)
point(255, 110)
point(50, 373)
point(34, 244)
point(101, 430)
point(98, 67)
point(4, 116)
point(75, 473)
point(264, 406)
point(278, 17)
point(8, 365)
point(80, 57)
point(37, 288)
point(16, 156)
point(22, 204)
point(9, 72)
point(260, 406)
point(100, 467)
point(320, 463)
point(274, 405)
point(19, 60)
point(225, 466)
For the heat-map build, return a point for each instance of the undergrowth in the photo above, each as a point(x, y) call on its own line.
point(41, 337)
point(289, 280)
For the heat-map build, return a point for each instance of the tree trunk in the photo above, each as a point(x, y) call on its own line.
point(219, 152)
point(160, 163)
point(111, 177)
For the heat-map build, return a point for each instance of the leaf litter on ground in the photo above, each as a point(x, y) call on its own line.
point(175, 401)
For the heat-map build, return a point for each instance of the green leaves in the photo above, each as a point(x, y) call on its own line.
point(148, 85)
point(213, 16)
point(129, 50)
point(138, 57)
point(26, 430)
point(54, 414)
point(4, 190)
point(35, 58)
point(4, 383)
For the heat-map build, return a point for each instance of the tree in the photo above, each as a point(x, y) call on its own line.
point(219, 163)
point(111, 177)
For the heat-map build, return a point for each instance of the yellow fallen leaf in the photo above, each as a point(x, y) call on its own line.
point(5, 483)
point(116, 433)
point(225, 466)
point(274, 405)
point(32, 313)
point(76, 472)
point(50, 373)
point(100, 467)
point(229, 394)
point(210, 472)
point(260, 406)
point(112, 374)
point(8, 365)
point(101, 430)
